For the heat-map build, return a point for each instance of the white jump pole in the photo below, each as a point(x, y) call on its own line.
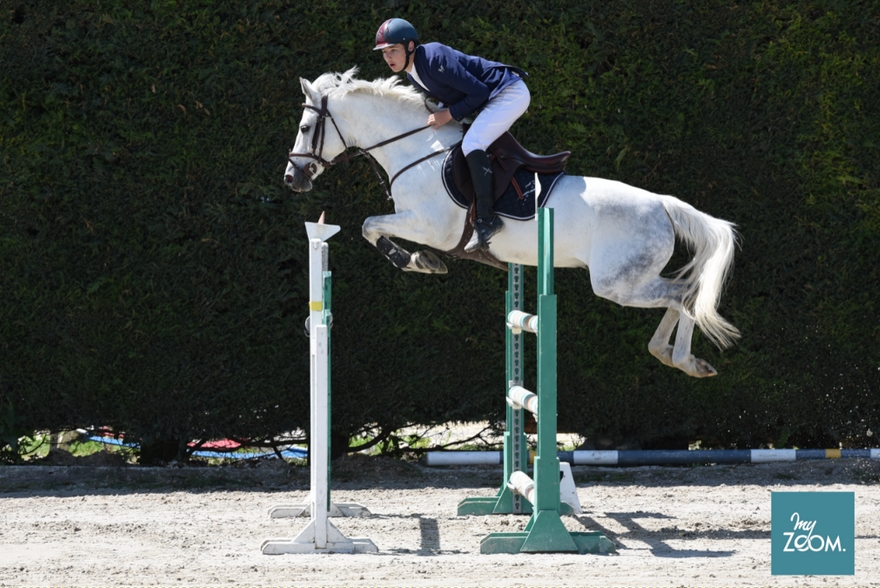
point(320, 535)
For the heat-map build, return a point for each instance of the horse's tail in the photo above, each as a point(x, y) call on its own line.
point(713, 242)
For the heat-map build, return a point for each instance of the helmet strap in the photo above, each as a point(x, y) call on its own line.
point(409, 54)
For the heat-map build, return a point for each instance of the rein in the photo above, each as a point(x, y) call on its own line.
point(317, 151)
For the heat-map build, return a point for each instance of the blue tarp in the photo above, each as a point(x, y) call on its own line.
point(289, 453)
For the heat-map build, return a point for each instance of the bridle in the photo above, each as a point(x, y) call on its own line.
point(317, 151)
point(317, 148)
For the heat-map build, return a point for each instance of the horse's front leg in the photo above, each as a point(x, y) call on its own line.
point(406, 226)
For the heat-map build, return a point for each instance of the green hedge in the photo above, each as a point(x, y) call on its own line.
point(153, 266)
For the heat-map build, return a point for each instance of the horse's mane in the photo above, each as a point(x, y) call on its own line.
point(339, 84)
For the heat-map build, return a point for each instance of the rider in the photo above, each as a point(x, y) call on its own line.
point(464, 84)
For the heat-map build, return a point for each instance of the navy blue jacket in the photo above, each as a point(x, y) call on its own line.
point(462, 82)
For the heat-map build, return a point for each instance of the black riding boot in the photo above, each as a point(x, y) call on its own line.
point(487, 222)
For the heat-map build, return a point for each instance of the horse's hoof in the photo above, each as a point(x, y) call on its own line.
point(702, 369)
point(426, 262)
point(696, 367)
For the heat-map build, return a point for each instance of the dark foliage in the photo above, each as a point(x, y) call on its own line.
point(152, 265)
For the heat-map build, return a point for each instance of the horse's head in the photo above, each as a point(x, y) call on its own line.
point(364, 113)
point(315, 148)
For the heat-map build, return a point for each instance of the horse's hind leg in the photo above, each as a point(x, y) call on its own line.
point(681, 355)
point(654, 293)
point(678, 356)
point(659, 345)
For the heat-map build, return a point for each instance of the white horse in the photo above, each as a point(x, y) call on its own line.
point(624, 235)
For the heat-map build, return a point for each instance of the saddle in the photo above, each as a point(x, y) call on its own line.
point(507, 157)
point(513, 169)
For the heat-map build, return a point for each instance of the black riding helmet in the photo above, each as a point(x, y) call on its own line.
point(394, 31)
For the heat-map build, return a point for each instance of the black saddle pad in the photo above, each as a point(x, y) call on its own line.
point(510, 205)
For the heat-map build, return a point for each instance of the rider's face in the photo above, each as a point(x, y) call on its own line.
point(395, 57)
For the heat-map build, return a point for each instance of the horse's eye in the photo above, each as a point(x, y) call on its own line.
point(304, 129)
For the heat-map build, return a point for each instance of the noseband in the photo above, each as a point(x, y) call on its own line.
point(317, 151)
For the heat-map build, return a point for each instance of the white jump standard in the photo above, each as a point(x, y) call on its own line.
point(320, 535)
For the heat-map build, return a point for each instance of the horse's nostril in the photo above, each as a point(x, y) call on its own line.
point(288, 179)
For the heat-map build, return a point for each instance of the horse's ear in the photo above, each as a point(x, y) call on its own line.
point(309, 91)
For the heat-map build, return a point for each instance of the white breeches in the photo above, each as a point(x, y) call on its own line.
point(497, 116)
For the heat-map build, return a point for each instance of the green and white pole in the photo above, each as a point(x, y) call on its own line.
point(545, 531)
